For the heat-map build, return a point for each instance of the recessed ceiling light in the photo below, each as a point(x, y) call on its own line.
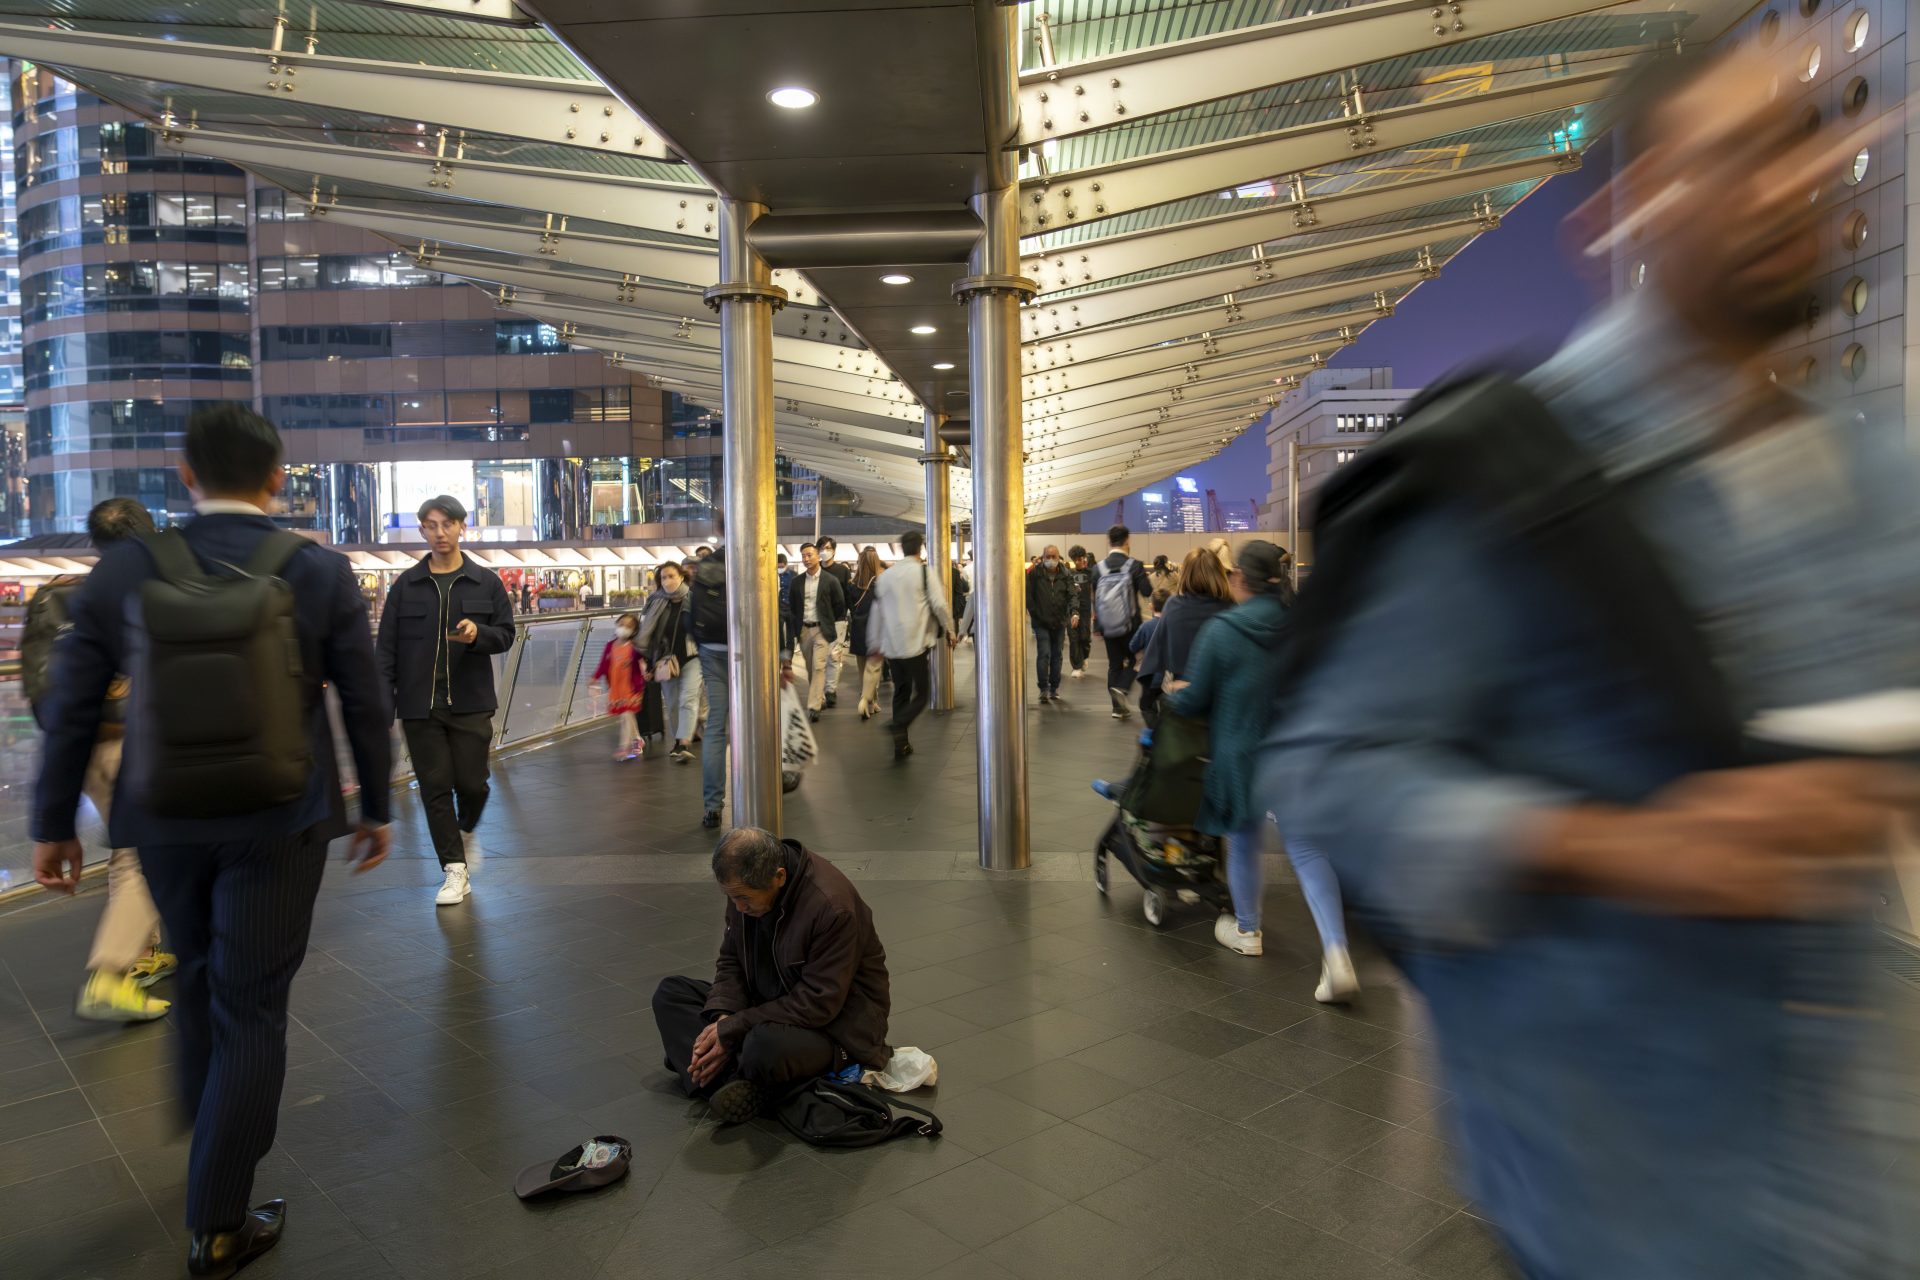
point(896, 277)
point(793, 97)
point(923, 329)
point(944, 364)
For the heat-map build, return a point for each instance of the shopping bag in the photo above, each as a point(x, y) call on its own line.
point(797, 747)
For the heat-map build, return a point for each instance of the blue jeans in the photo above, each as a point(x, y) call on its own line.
point(713, 746)
point(1047, 642)
point(1245, 880)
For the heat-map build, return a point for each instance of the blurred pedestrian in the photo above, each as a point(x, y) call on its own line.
point(1118, 589)
point(1080, 638)
point(620, 666)
point(673, 660)
point(858, 614)
point(910, 615)
point(1543, 616)
point(1200, 592)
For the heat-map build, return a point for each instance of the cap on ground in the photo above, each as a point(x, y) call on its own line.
point(447, 505)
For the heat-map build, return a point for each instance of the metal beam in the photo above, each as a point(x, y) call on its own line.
point(686, 210)
point(1160, 293)
point(1059, 102)
point(1178, 375)
point(1229, 316)
point(811, 402)
point(503, 12)
point(679, 355)
point(1164, 405)
point(1140, 424)
point(1073, 265)
point(1105, 191)
point(571, 113)
point(817, 334)
point(1345, 326)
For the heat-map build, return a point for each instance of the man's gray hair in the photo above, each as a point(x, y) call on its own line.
point(748, 856)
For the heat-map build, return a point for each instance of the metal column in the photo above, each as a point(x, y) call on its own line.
point(938, 462)
point(993, 292)
point(746, 300)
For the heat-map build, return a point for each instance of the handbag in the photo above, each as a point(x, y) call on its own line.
point(666, 669)
point(826, 1113)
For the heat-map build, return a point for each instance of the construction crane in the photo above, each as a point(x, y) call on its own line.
point(1215, 521)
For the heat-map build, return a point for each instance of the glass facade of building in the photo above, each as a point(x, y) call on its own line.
point(152, 284)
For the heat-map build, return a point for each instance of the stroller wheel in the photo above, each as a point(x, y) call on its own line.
point(1154, 907)
point(1100, 869)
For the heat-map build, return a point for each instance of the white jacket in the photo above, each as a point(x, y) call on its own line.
point(910, 612)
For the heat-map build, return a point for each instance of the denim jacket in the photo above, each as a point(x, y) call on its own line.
point(1636, 1095)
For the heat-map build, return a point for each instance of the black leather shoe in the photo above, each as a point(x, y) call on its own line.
point(832, 700)
point(221, 1253)
point(813, 716)
point(711, 819)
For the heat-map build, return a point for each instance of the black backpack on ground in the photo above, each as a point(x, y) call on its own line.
point(47, 621)
point(1487, 444)
point(219, 693)
point(824, 1113)
point(708, 601)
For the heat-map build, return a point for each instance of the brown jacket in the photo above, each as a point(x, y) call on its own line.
point(831, 965)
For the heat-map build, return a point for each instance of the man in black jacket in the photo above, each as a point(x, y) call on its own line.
point(837, 656)
point(1080, 635)
point(1053, 606)
point(816, 606)
point(800, 989)
point(444, 620)
point(236, 892)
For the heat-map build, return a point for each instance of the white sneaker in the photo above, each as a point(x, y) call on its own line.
point(1079, 673)
point(1338, 983)
point(470, 843)
point(1228, 933)
point(455, 889)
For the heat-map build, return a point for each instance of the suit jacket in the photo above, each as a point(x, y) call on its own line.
point(335, 648)
point(830, 607)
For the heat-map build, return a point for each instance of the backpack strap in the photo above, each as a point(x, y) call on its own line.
point(172, 557)
point(270, 558)
point(931, 1127)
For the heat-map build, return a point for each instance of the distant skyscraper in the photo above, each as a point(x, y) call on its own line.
point(1238, 522)
point(1189, 510)
point(1159, 515)
point(13, 408)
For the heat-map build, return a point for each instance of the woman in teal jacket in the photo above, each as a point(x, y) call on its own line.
point(1232, 679)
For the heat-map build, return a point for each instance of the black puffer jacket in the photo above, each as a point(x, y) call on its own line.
point(1051, 597)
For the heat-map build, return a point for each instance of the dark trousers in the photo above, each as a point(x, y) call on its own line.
point(237, 915)
point(912, 687)
point(1120, 662)
point(1046, 643)
point(1079, 645)
point(449, 751)
point(773, 1054)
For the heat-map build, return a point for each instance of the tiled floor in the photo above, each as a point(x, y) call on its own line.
point(1119, 1101)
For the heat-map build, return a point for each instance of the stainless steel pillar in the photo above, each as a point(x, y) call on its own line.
point(937, 462)
point(993, 292)
point(746, 300)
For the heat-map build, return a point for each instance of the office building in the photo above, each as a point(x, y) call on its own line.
point(1159, 511)
point(1327, 418)
point(1189, 509)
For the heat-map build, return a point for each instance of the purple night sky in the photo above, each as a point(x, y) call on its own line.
point(1511, 292)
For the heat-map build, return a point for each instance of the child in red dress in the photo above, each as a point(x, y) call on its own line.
point(626, 678)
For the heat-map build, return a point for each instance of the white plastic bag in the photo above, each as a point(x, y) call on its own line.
point(797, 747)
point(907, 1070)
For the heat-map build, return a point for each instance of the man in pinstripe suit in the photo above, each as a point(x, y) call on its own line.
point(236, 893)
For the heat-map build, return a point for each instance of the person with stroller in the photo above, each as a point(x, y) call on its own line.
point(1230, 681)
point(1148, 677)
point(1200, 592)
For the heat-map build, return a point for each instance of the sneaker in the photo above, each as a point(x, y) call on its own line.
point(470, 844)
point(153, 966)
point(681, 753)
point(1121, 710)
point(833, 699)
point(710, 819)
point(456, 887)
point(813, 716)
point(1228, 933)
point(736, 1102)
point(1338, 982)
point(117, 997)
point(1079, 673)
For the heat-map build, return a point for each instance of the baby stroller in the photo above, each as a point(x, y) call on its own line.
point(1152, 832)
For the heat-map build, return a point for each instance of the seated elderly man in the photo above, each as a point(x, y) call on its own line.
point(800, 989)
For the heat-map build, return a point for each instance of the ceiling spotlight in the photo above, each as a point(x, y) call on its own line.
point(944, 365)
point(793, 97)
point(923, 329)
point(896, 277)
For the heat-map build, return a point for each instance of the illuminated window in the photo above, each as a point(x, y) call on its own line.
point(1857, 28)
point(1810, 63)
point(1857, 171)
point(1853, 232)
point(1853, 296)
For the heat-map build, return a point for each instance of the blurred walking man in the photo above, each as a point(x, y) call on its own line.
point(1524, 734)
point(910, 615)
point(227, 787)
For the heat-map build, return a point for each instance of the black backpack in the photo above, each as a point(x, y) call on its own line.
point(827, 1114)
point(708, 601)
point(219, 693)
point(47, 621)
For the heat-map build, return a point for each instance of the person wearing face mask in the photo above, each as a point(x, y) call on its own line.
point(673, 662)
point(1052, 606)
point(620, 668)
